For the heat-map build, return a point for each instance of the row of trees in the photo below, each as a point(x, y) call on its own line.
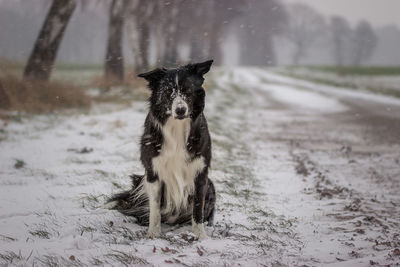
point(199, 25)
point(349, 46)
point(163, 27)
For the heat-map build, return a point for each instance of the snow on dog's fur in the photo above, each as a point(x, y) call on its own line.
point(176, 154)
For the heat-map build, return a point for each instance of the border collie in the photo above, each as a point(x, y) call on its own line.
point(175, 153)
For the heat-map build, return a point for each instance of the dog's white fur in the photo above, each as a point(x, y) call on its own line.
point(173, 167)
point(179, 103)
point(153, 192)
point(198, 230)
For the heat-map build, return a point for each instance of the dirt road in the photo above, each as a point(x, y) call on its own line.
point(346, 153)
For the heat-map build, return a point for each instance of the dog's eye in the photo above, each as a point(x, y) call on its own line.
point(171, 93)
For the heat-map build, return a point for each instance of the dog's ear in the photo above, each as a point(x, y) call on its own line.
point(154, 75)
point(202, 68)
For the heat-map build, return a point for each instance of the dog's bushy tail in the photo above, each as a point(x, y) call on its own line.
point(133, 202)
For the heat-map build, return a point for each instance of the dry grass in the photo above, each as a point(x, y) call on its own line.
point(130, 80)
point(133, 88)
point(68, 91)
point(39, 96)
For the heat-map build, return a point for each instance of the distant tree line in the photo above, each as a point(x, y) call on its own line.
point(348, 46)
point(201, 25)
point(166, 26)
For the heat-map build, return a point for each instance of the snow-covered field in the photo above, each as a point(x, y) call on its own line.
point(303, 177)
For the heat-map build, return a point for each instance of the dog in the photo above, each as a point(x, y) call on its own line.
point(175, 150)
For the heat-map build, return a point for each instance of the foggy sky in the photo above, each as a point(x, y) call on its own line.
point(378, 12)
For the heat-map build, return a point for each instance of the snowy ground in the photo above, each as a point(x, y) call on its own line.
point(305, 175)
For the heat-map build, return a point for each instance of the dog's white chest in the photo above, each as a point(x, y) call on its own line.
point(174, 167)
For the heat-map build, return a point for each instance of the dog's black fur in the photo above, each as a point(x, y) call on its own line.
point(165, 84)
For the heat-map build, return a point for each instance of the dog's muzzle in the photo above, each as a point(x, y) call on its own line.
point(179, 108)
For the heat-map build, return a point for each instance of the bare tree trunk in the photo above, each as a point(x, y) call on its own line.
point(256, 49)
point(158, 32)
point(41, 60)
point(144, 43)
point(170, 57)
point(215, 32)
point(298, 53)
point(139, 32)
point(159, 43)
point(357, 55)
point(114, 61)
point(196, 47)
point(4, 100)
point(268, 51)
point(134, 41)
point(357, 60)
point(140, 42)
point(215, 49)
point(337, 51)
point(199, 31)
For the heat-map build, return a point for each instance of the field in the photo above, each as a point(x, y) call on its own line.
point(305, 173)
point(378, 80)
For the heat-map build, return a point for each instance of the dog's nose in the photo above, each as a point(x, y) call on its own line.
point(180, 111)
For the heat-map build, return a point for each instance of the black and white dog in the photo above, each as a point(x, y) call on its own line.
point(176, 154)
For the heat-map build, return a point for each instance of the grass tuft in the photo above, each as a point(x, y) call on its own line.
point(127, 259)
point(91, 201)
point(124, 232)
point(8, 257)
point(53, 261)
point(41, 233)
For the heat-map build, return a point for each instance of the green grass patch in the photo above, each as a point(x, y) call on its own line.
point(359, 70)
point(339, 84)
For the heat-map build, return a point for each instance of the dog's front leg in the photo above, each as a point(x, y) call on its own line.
point(198, 207)
point(153, 188)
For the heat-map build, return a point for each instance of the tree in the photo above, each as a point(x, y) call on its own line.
point(41, 60)
point(223, 12)
point(142, 16)
point(261, 21)
point(170, 12)
point(364, 42)
point(114, 61)
point(305, 27)
point(203, 25)
point(341, 33)
point(389, 41)
point(4, 99)
point(194, 27)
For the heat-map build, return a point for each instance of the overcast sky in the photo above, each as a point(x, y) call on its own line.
point(378, 12)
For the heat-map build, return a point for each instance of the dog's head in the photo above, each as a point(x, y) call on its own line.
point(177, 92)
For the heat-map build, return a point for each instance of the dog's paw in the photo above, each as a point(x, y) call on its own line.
point(199, 231)
point(154, 232)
